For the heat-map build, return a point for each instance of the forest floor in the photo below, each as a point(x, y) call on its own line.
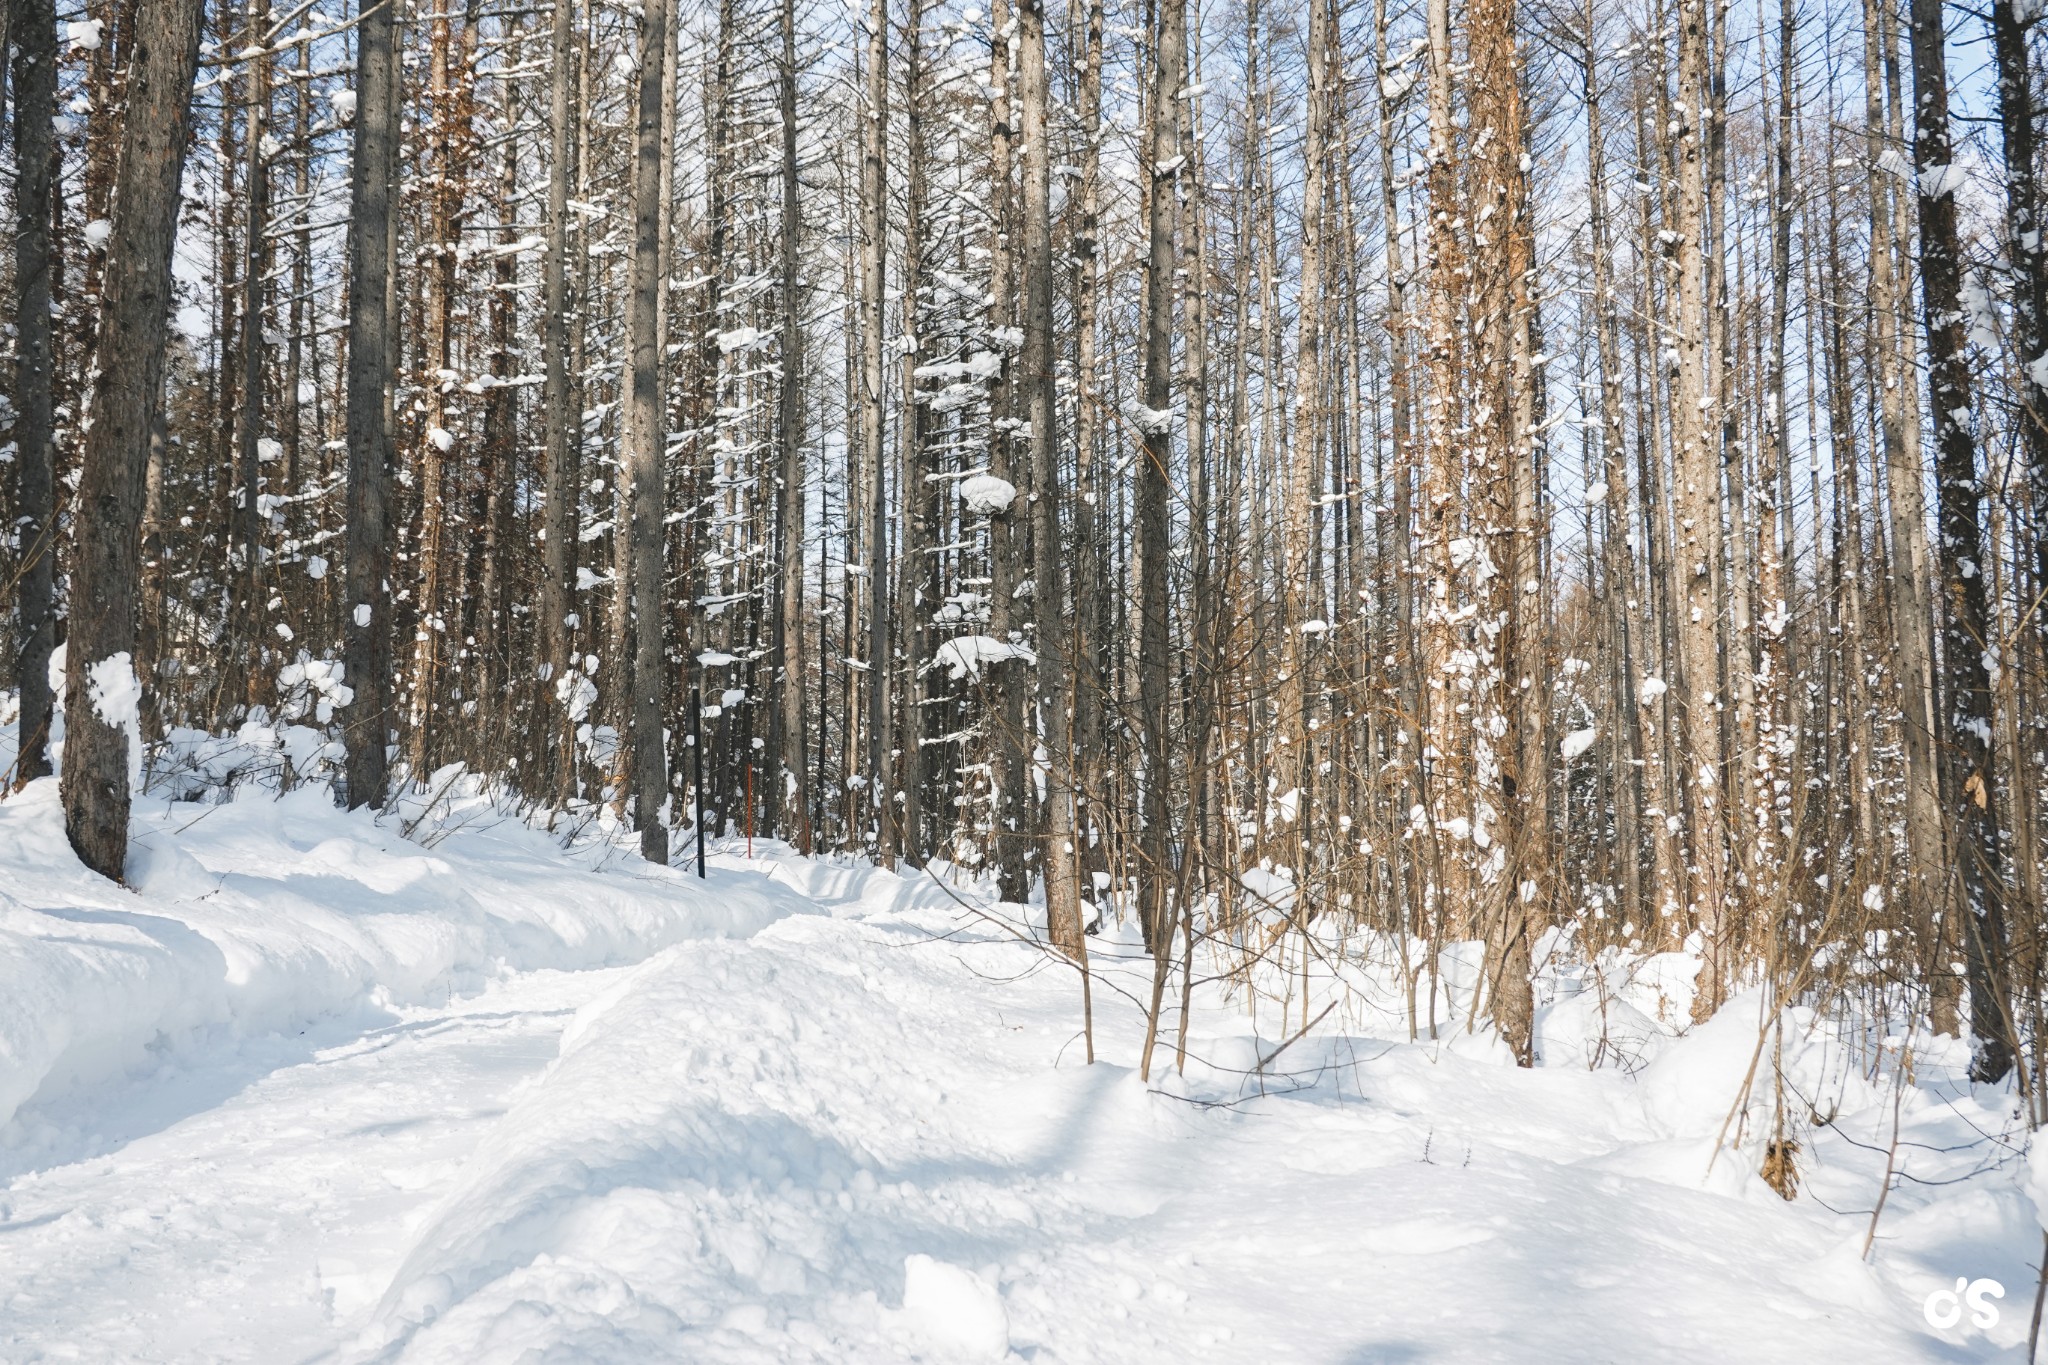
point(316, 1092)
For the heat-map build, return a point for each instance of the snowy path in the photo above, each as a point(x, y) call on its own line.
point(246, 1230)
point(864, 1132)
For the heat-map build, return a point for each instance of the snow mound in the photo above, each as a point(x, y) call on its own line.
point(957, 1309)
point(256, 916)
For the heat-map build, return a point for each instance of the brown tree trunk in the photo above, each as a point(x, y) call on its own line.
point(1514, 765)
point(101, 749)
point(372, 231)
point(874, 254)
point(1059, 861)
point(555, 738)
point(791, 801)
point(1696, 473)
point(646, 441)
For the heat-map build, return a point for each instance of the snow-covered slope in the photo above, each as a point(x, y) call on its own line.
point(264, 914)
point(315, 1093)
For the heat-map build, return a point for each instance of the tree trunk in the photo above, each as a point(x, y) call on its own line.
point(1010, 745)
point(102, 748)
point(1516, 764)
point(646, 441)
point(249, 412)
point(791, 803)
point(919, 592)
point(1960, 556)
point(1091, 692)
point(1153, 535)
point(373, 175)
point(35, 157)
point(555, 739)
point(873, 248)
point(1059, 861)
point(1697, 505)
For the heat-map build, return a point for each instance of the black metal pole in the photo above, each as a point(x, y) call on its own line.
point(697, 766)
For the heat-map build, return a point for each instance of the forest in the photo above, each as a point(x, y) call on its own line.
point(1566, 477)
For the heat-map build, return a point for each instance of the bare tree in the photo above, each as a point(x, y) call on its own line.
point(646, 441)
point(373, 174)
point(103, 737)
point(34, 25)
point(1966, 634)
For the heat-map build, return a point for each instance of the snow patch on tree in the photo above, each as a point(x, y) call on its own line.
point(986, 495)
point(116, 695)
point(966, 655)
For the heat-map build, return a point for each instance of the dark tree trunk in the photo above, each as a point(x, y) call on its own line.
point(247, 650)
point(919, 593)
point(1150, 501)
point(790, 802)
point(367, 610)
point(646, 438)
point(2029, 250)
point(1959, 556)
point(135, 311)
point(35, 155)
point(564, 427)
point(873, 249)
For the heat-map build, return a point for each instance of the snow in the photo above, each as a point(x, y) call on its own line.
point(1148, 421)
point(1576, 743)
point(577, 694)
point(116, 696)
point(958, 1310)
point(964, 656)
point(986, 495)
point(313, 1090)
point(1937, 182)
point(344, 102)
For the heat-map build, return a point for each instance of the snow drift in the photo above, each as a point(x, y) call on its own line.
point(260, 914)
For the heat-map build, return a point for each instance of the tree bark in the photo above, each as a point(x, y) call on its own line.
point(646, 440)
point(873, 248)
point(918, 592)
point(1966, 635)
point(1010, 744)
point(1514, 765)
point(372, 231)
point(1055, 682)
point(1150, 503)
point(35, 157)
point(1697, 476)
point(563, 426)
point(792, 803)
point(102, 752)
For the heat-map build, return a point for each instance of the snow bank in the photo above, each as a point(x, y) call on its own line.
point(682, 1178)
point(258, 915)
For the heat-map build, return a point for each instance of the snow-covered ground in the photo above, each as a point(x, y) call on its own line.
point(316, 1091)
